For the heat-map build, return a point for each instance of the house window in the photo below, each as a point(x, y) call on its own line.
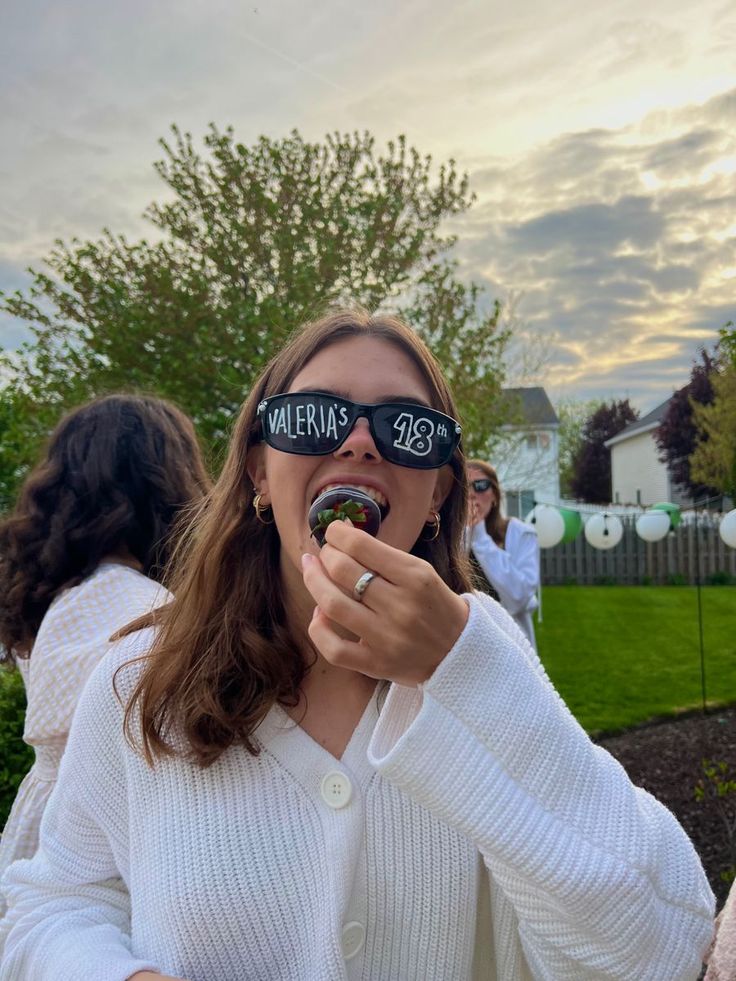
point(531, 441)
point(527, 503)
point(519, 503)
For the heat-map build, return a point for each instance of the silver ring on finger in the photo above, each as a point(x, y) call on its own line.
point(363, 583)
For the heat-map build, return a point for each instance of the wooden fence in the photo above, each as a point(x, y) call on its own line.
point(691, 548)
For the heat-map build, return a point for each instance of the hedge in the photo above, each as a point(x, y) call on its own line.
point(15, 756)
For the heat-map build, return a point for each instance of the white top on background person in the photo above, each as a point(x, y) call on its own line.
point(276, 814)
point(73, 636)
point(506, 549)
point(79, 554)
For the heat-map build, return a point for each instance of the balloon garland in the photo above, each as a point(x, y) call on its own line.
point(604, 530)
point(727, 528)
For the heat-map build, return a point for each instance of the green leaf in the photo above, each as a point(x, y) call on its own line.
point(344, 510)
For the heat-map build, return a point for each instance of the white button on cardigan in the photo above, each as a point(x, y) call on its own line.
point(336, 790)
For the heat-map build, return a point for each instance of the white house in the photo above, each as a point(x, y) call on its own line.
point(527, 459)
point(638, 476)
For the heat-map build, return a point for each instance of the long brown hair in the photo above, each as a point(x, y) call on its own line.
point(224, 652)
point(496, 524)
point(115, 475)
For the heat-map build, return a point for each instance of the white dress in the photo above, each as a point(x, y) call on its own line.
point(513, 570)
point(71, 640)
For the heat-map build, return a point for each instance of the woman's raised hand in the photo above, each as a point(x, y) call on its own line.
point(408, 618)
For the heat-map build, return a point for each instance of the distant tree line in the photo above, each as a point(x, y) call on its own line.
point(696, 437)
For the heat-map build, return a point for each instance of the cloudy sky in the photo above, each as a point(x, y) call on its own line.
point(600, 140)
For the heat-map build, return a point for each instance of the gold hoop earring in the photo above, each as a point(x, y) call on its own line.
point(434, 525)
point(260, 511)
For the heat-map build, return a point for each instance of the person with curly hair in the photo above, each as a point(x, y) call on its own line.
point(323, 762)
point(81, 555)
point(504, 550)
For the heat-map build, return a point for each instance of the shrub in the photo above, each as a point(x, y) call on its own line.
point(15, 756)
point(717, 789)
point(720, 579)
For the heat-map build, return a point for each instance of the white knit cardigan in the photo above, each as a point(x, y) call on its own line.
point(470, 830)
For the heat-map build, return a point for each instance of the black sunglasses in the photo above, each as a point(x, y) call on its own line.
point(315, 424)
point(480, 485)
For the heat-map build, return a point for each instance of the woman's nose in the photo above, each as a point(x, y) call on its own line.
point(359, 445)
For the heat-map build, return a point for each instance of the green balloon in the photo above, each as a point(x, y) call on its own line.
point(573, 524)
point(672, 510)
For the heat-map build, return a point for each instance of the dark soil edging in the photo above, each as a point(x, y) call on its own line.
point(666, 759)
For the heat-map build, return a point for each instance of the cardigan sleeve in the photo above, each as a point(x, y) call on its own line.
point(603, 880)
point(514, 571)
point(68, 907)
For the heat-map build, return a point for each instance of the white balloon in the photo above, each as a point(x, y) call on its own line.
point(548, 523)
point(652, 526)
point(603, 530)
point(727, 528)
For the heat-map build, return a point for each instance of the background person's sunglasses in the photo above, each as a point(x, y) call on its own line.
point(480, 485)
point(315, 424)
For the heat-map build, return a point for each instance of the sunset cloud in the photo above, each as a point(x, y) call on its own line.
point(622, 244)
point(601, 144)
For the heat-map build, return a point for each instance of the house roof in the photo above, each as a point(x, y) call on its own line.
point(532, 404)
point(644, 425)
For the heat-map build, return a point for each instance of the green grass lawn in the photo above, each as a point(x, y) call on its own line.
point(620, 655)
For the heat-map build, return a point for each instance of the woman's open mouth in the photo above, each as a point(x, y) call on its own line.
point(372, 492)
point(342, 502)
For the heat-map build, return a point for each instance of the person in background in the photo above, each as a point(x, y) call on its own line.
point(722, 957)
point(80, 556)
point(505, 550)
point(341, 762)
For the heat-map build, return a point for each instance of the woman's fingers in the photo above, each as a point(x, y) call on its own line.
point(345, 571)
point(335, 602)
point(354, 655)
point(336, 612)
point(394, 565)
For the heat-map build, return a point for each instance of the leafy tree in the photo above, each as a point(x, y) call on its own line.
point(22, 424)
point(591, 480)
point(16, 756)
point(677, 432)
point(713, 461)
point(572, 414)
point(727, 344)
point(249, 242)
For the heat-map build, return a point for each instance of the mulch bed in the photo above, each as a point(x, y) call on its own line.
point(666, 759)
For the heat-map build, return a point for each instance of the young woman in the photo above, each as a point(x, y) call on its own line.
point(79, 557)
point(505, 549)
point(329, 782)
